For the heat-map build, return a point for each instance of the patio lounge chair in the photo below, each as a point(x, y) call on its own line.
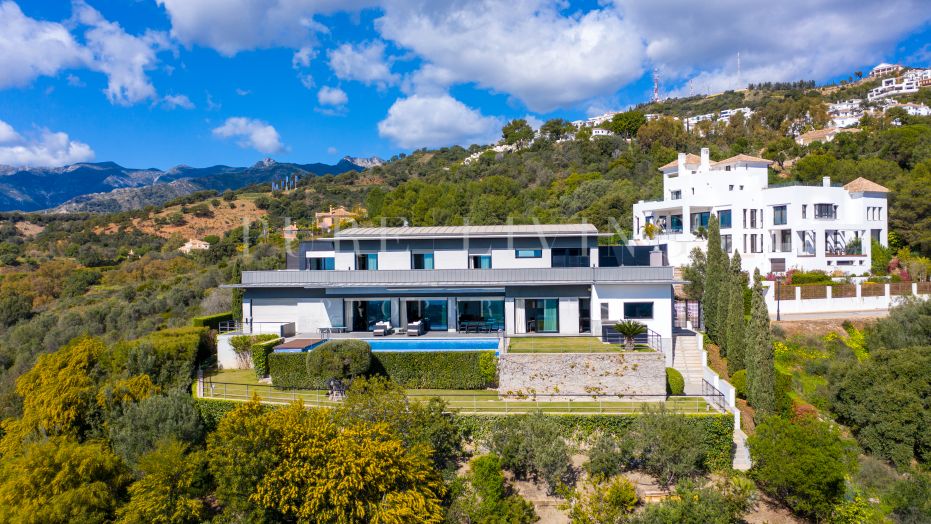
point(415, 329)
point(382, 329)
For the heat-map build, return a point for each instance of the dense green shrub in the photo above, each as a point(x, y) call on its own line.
point(675, 384)
point(484, 495)
point(716, 430)
point(488, 367)
point(667, 446)
point(725, 502)
point(609, 456)
point(168, 356)
point(533, 446)
point(801, 278)
point(804, 463)
point(141, 425)
point(339, 359)
point(739, 381)
point(260, 351)
point(433, 370)
point(413, 370)
point(884, 401)
point(211, 321)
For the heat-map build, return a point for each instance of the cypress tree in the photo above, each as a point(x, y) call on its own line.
point(759, 357)
point(736, 325)
point(714, 271)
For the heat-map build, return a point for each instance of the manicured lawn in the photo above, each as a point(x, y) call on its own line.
point(233, 376)
point(565, 345)
point(464, 401)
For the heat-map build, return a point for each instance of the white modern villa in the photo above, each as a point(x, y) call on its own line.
point(502, 281)
point(775, 228)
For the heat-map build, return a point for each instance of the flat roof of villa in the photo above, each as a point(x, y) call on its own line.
point(550, 230)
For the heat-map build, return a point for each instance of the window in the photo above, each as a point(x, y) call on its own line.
point(638, 310)
point(756, 243)
point(730, 187)
point(433, 312)
point(476, 314)
point(585, 315)
point(727, 243)
point(826, 211)
point(804, 211)
point(571, 256)
point(367, 261)
point(605, 311)
point(753, 219)
point(724, 219)
point(700, 220)
point(675, 222)
point(366, 313)
point(745, 220)
point(780, 217)
point(675, 195)
point(422, 260)
point(480, 261)
point(542, 315)
point(528, 253)
point(321, 264)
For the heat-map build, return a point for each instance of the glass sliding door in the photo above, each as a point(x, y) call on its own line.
point(366, 313)
point(542, 315)
point(432, 311)
point(477, 315)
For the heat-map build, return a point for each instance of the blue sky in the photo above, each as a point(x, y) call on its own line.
point(156, 83)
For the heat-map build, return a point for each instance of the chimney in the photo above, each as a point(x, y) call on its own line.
point(681, 163)
point(826, 181)
point(657, 257)
point(705, 159)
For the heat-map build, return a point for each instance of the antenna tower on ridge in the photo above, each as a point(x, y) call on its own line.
point(655, 84)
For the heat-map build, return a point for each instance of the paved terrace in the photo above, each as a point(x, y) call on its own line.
point(456, 277)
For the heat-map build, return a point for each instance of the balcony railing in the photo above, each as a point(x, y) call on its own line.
point(454, 277)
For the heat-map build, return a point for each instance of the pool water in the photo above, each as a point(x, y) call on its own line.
point(434, 344)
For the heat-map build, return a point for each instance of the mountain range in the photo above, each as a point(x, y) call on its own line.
point(109, 187)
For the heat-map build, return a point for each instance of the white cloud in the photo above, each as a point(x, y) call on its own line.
point(801, 39)
point(253, 133)
point(47, 148)
point(332, 96)
point(436, 120)
point(75, 81)
point(31, 48)
point(242, 92)
point(176, 101)
point(303, 57)
point(529, 49)
point(124, 58)
point(364, 62)
point(533, 122)
point(231, 26)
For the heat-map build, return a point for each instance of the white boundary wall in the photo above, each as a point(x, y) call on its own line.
point(832, 304)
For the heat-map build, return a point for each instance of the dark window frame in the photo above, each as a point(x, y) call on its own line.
point(635, 316)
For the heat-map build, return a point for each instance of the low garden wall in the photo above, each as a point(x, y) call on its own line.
point(639, 374)
point(840, 297)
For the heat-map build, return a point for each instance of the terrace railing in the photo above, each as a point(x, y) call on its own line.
point(479, 402)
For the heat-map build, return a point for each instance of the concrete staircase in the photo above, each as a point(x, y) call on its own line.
point(741, 451)
point(687, 359)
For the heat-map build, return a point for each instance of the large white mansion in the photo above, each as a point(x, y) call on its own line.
point(775, 228)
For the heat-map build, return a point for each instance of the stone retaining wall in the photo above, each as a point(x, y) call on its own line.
point(568, 374)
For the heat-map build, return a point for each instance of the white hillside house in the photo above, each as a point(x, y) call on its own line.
point(775, 228)
point(893, 87)
point(846, 113)
point(885, 69)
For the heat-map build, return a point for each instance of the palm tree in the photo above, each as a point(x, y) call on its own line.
point(630, 329)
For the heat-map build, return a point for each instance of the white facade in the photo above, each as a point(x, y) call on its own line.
point(725, 115)
point(893, 87)
point(846, 113)
point(885, 69)
point(774, 228)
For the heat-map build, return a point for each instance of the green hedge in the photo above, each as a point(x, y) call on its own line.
point(211, 321)
point(718, 431)
point(739, 381)
point(260, 351)
point(675, 384)
point(414, 370)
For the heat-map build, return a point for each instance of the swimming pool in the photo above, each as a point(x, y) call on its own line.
point(434, 344)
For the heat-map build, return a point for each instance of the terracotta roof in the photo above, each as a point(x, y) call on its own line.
point(811, 136)
point(862, 185)
point(689, 159)
point(742, 158)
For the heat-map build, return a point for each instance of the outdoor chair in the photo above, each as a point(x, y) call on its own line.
point(382, 329)
point(415, 329)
